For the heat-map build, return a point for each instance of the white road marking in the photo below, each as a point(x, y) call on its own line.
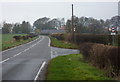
point(5, 60)
point(49, 42)
point(20, 45)
point(22, 51)
point(53, 53)
point(43, 64)
point(16, 55)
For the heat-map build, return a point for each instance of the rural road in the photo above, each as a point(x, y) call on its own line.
point(26, 61)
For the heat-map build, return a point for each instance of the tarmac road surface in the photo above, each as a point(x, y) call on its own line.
point(26, 61)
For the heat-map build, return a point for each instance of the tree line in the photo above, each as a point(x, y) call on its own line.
point(81, 25)
point(47, 23)
point(91, 25)
point(40, 24)
point(25, 27)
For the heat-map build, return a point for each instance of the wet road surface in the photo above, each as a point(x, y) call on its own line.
point(25, 61)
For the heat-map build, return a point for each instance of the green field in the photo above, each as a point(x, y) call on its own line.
point(72, 67)
point(7, 41)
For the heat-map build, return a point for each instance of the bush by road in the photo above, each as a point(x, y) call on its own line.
point(102, 56)
point(8, 41)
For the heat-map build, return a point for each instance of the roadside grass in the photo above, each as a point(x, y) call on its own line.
point(62, 44)
point(72, 67)
point(8, 42)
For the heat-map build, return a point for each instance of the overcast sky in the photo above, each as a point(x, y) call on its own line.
point(13, 12)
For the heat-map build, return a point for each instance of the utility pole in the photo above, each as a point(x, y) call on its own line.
point(72, 25)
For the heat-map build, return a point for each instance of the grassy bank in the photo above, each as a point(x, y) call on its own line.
point(71, 67)
point(8, 41)
point(62, 44)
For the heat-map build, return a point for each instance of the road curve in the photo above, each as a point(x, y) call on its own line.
point(24, 62)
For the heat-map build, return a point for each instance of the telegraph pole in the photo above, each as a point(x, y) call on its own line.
point(72, 25)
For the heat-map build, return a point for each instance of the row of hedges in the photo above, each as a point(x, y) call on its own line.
point(118, 40)
point(59, 36)
point(82, 38)
point(26, 37)
point(103, 39)
point(102, 56)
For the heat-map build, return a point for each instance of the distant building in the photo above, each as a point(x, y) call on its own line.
point(62, 28)
point(52, 31)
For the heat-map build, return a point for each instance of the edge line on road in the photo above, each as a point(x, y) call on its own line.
point(36, 77)
point(49, 42)
point(21, 51)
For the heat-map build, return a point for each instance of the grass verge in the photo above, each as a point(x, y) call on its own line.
point(62, 44)
point(8, 42)
point(71, 67)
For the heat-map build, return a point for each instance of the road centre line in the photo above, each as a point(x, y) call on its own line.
point(43, 64)
point(22, 51)
point(5, 60)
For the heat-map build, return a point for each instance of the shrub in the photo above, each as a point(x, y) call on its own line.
point(25, 37)
point(85, 49)
point(59, 36)
point(114, 60)
point(69, 38)
point(30, 36)
point(17, 38)
point(118, 40)
point(102, 56)
point(81, 38)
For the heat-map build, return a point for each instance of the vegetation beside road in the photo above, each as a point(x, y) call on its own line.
point(102, 56)
point(97, 50)
point(91, 38)
point(62, 44)
point(72, 67)
point(8, 41)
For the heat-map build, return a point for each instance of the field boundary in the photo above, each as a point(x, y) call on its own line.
point(20, 45)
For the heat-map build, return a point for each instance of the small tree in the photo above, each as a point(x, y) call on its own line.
point(25, 27)
point(17, 28)
point(7, 28)
point(37, 31)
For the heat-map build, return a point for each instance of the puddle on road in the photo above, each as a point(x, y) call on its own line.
point(61, 51)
